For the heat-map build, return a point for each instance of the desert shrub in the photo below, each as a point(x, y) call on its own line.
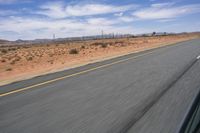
point(26, 47)
point(50, 61)
point(9, 58)
point(50, 55)
point(9, 69)
point(119, 41)
point(97, 43)
point(83, 47)
point(73, 51)
point(12, 49)
point(12, 62)
point(29, 58)
point(4, 51)
point(18, 59)
point(3, 60)
point(104, 45)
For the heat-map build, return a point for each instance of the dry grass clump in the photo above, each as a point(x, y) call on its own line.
point(98, 43)
point(73, 51)
point(29, 58)
point(3, 60)
point(12, 62)
point(18, 58)
point(82, 47)
point(4, 51)
point(116, 42)
point(15, 59)
point(9, 69)
point(12, 49)
point(102, 44)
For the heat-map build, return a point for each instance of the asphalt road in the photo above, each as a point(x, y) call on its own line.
point(148, 92)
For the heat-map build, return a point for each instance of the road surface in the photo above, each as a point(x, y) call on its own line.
point(149, 92)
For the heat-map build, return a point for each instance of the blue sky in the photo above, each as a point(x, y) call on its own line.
point(31, 19)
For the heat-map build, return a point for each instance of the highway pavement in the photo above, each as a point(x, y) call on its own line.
point(146, 92)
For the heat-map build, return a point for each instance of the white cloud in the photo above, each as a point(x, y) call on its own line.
point(54, 10)
point(160, 5)
point(30, 28)
point(18, 24)
point(93, 9)
point(60, 10)
point(101, 21)
point(166, 10)
point(119, 14)
point(126, 19)
point(166, 20)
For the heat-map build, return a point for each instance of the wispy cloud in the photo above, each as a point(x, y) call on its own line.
point(60, 10)
point(161, 5)
point(119, 14)
point(54, 10)
point(165, 11)
point(166, 20)
point(94, 9)
point(101, 21)
point(31, 28)
point(126, 19)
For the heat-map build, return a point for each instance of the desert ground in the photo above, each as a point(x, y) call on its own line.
point(18, 62)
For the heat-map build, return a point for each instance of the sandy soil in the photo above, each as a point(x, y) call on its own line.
point(26, 61)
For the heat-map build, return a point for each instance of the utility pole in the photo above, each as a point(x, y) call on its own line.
point(102, 34)
point(54, 36)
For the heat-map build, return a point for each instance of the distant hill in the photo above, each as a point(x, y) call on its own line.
point(95, 37)
point(3, 41)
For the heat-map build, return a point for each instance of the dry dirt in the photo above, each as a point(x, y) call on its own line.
point(26, 61)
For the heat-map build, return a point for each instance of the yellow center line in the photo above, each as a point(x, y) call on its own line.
point(71, 75)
